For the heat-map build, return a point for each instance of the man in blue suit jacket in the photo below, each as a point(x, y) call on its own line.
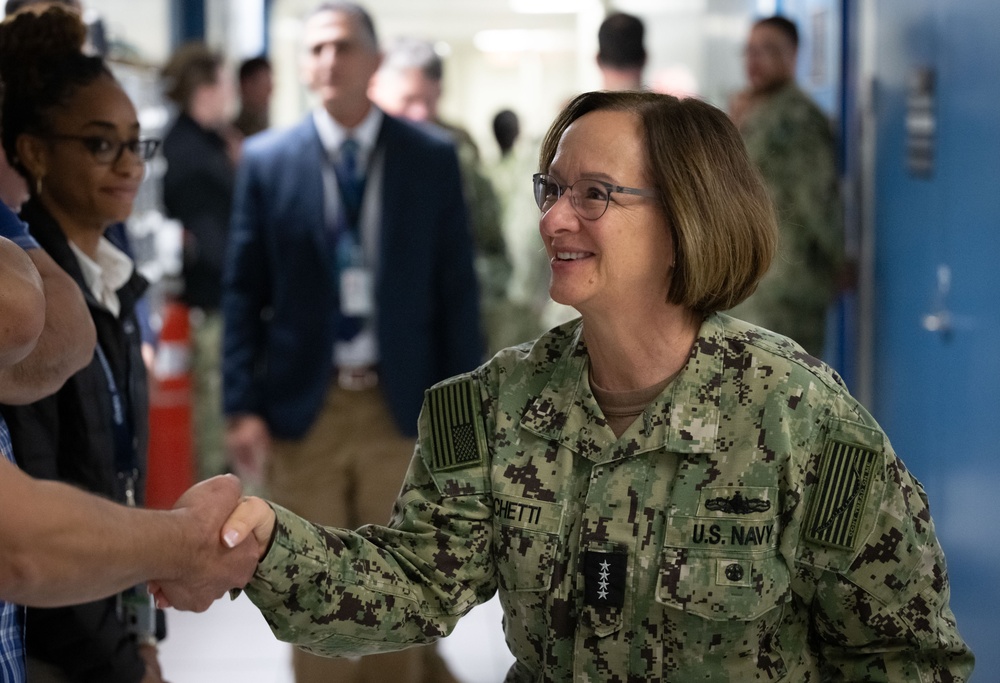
point(328, 348)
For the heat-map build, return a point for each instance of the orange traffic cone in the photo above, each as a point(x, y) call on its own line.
point(171, 462)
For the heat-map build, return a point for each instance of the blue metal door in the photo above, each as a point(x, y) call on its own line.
point(933, 90)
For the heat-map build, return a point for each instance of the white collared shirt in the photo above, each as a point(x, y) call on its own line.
point(363, 349)
point(105, 274)
point(332, 134)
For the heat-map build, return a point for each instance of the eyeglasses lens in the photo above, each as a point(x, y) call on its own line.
point(588, 197)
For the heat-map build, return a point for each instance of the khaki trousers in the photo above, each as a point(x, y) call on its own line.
point(346, 472)
point(206, 369)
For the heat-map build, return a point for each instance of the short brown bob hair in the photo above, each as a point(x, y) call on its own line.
point(716, 204)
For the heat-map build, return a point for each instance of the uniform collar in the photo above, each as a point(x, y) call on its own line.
point(683, 419)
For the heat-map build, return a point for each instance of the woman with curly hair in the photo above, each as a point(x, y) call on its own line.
point(70, 129)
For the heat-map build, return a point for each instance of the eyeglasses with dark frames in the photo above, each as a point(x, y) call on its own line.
point(587, 196)
point(106, 151)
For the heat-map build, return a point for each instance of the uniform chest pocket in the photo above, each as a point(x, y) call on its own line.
point(720, 610)
point(527, 542)
point(525, 559)
point(723, 588)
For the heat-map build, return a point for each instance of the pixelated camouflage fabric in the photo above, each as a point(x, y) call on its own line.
point(791, 141)
point(690, 548)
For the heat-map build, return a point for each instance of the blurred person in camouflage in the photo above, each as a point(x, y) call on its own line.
point(658, 491)
point(790, 140)
point(528, 285)
point(408, 85)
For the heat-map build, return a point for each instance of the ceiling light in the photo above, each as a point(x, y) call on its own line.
point(522, 40)
point(550, 6)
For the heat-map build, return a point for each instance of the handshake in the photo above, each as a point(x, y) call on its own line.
point(224, 536)
point(63, 545)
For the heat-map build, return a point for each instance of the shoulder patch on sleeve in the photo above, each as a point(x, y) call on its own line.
point(845, 479)
point(457, 433)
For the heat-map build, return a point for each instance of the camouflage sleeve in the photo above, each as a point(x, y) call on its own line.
point(343, 593)
point(797, 157)
point(872, 565)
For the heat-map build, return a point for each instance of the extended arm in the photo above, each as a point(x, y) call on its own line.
point(62, 545)
point(342, 593)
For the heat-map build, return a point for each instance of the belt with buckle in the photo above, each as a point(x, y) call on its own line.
point(357, 379)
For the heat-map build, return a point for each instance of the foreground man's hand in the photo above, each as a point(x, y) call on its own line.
point(210, 565)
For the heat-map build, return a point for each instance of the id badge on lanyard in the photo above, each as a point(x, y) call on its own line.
point(357, 296)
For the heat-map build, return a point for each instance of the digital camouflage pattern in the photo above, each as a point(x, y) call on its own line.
point(790, 140)
point(752, 524)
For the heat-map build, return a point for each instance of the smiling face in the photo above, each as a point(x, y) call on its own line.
point(76, 188)
point(621, 261)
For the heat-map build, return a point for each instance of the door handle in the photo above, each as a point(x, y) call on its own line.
point(939, 319)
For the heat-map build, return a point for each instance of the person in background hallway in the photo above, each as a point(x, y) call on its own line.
point(658, 491)
point(256, 83)
point(408, 84)
point(71, 131)
point(349, 289)
point(791, 141)
point(621, 53)
point(198, 191)
point(528, 286)
point(117, 234)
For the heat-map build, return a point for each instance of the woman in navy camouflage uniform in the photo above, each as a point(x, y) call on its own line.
point(657, 490)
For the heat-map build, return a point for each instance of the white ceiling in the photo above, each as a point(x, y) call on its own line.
point(452, 21)
point(459, 20)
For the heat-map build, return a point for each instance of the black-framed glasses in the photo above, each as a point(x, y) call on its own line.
point(107, 151)
point(588, 197)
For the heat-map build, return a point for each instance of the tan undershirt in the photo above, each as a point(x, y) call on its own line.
point(622, 407)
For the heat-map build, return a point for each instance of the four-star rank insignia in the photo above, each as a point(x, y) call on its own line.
point(604, 577)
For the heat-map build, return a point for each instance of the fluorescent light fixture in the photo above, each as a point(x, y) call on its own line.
point(766, 8)
point(523, 40)
point(549, 6)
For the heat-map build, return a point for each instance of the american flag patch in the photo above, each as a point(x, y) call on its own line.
point(458, 436)
point(838, 505)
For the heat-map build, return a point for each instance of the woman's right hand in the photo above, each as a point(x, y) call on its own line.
point(253, 520)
